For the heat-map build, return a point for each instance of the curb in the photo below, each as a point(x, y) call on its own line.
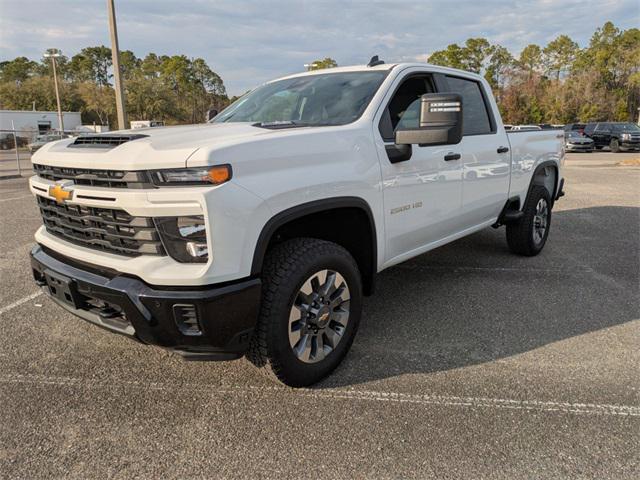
point(9, 177)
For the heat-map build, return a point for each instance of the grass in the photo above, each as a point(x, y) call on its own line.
point(631, 162)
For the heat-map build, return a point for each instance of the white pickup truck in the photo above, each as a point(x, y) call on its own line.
point(260, 232)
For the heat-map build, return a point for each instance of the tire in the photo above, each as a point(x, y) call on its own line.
point(614, 145)
point(287, 348)
point(524, 236)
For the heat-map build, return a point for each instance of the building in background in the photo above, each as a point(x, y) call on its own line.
point(30, 123)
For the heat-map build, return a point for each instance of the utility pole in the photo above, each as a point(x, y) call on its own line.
point(54, 53)
point(115, 56)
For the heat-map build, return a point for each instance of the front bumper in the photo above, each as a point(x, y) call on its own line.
point(226, 313)
point(579, 147)
point(629, 145)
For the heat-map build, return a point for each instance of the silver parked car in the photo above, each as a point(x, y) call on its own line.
point(41, 140)
point(576, 142)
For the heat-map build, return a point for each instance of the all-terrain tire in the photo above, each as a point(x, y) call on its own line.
point(286, 269)
point(522, 236)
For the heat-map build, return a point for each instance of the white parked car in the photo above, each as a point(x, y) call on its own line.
point(259, 233)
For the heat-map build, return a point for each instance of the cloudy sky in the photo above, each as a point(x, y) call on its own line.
point(249, 41)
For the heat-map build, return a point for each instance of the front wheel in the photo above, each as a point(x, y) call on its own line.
point(310, 311)
point(614, 145)
point(529, 234)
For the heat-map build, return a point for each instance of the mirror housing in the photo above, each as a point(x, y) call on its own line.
point(211, 114)
point(440, 121)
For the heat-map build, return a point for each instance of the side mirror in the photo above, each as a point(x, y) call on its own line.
point(440, 121)
point(211, 114)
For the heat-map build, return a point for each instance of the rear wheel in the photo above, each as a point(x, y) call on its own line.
point(310, 311)
point(528, 235)
point(614, 145)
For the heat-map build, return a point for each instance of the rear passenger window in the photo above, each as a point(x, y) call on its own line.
point(474, 110)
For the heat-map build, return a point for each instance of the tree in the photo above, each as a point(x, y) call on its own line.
point(531, 59)
point(326, 62)
point(475, 53)
point(38, 90)
point(559, 55)
point(500, 63)
point(452, 57)
point(98, 102)
point(129, 64)
point(91, 64)
point(17, 70)
point(556, 83)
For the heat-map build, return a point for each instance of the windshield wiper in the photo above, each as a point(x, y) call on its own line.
point(281, 124)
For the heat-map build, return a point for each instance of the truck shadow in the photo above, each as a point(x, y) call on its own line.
point(473, 302)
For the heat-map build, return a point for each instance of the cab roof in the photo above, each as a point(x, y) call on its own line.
point(382, 67)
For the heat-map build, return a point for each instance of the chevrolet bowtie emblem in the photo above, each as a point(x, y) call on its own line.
point(60, 194)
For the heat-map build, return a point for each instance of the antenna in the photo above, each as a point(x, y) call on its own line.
point(375, 61)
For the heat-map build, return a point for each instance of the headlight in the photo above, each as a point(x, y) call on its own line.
point(184, 238)
point(626, 136)
point(192, 176)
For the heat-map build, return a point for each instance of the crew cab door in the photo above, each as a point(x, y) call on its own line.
point(486, 159)
point(422, 194)
point(601, 134)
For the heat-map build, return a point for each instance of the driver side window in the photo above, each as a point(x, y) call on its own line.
point(403, 110)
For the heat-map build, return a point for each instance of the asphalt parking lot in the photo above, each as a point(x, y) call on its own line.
point(470, 363)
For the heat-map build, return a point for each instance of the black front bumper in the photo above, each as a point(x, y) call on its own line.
point(627, 145)
point(226, 313)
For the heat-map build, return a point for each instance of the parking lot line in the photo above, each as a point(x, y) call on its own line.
point(333, 394)
point(15, 198)
point(17, 303)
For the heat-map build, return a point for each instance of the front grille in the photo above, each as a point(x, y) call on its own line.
point(103, 141)
point(106, 229)
point(95, 178)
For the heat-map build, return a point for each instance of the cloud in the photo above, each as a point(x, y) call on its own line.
point(250, 41)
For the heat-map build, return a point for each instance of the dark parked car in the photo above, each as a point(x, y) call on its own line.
point(7, 141)
point(618, 136)
point(578, 127)
point(575, 142)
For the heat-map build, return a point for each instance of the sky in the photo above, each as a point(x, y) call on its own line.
point(250, 41)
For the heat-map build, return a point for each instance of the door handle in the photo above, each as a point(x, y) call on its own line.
point(451, 156)
point(503, 149)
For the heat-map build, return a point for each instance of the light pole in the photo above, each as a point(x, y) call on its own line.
point(54, 53)
point(115, 56)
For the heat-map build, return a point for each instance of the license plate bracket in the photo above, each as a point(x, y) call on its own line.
point(62, 288)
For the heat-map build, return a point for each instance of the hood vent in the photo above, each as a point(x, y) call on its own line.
point(103, 141)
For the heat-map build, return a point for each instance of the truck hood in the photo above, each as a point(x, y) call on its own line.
point(161, 147)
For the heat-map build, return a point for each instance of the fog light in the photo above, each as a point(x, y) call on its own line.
point(186, 317)
point(197, 250)
point(184, 238)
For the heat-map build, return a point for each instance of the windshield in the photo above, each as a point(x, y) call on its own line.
point(626, 127)
point(324, 99)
